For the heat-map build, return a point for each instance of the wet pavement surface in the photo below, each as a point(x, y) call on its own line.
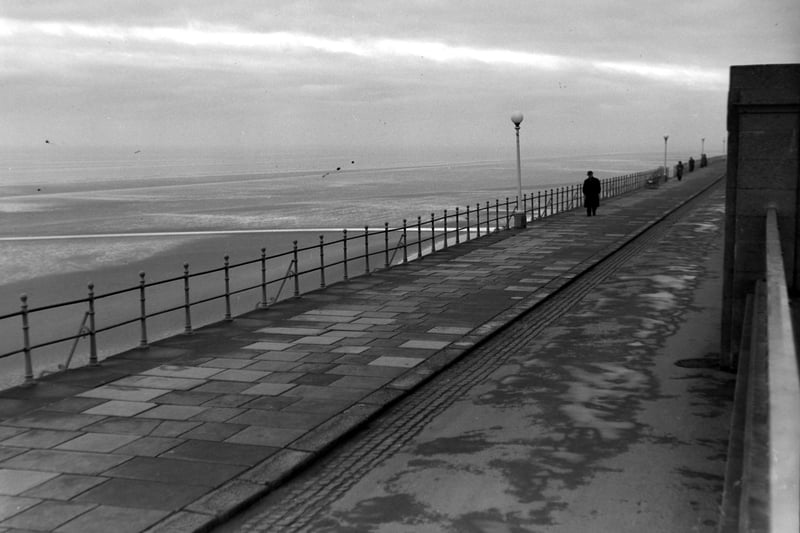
point(178, 436)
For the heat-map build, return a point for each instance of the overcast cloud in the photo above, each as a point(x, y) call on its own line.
point(610, 76)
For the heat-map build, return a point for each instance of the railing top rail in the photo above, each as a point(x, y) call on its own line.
point(784, 390)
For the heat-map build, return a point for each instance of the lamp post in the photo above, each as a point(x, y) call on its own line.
point(516, 118)
point(666, 174)
point(520, 217)
point(702, 146)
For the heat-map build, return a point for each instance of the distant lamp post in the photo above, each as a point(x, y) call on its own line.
point(702, 146)
point(516, 118)
point(666, 174)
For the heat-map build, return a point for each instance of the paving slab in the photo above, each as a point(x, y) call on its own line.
point(47, 516)
point(142, 494)
point(222, 415)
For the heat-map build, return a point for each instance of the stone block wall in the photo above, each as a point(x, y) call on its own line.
point(763, 146)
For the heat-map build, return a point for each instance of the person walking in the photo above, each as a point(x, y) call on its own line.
point(591, 194)
point(679, 170)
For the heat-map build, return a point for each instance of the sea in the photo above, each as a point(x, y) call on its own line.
point(70, 216)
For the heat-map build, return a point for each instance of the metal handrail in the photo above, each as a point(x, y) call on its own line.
point(487, 219)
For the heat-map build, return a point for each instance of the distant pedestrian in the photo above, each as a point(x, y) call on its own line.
point(591, 194)
point(691, 164)
point(679, 170)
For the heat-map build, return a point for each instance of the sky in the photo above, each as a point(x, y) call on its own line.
point(589, 76)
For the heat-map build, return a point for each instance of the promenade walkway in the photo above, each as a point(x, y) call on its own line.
point(175, 436)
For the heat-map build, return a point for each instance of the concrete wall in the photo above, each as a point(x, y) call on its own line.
point(763, 145)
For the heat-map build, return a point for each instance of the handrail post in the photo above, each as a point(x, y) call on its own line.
point(227, 288)
point(26, 340)
point(142, 311)
point(92, 335)
point(405, 241)
point(433, 233)
point(295, 272)
point(539, 203)
point(187, 306)
point(458, 228)
point(497, 213)
point(419, 237)
point(385, 245)
point(478, 219)
point(444, 245)
point(468, 236)
point(321, 261)
point(488, 217)
point(366, 249)
point(263, 278)
point(344, 253)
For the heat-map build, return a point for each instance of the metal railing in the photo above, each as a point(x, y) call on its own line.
point(354, 253)
point(762, 481)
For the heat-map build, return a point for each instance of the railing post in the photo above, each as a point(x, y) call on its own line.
point(444, 245)
point(344, 253)
point(433, 233)
point(497, 213)
point(419, 237)
point(321, 261)
point(525, 204)
point(366, 249)
point(478, 220)
point(263, 278)
point(488, 217)
point(385, 245)
point(295, 272)
point(539, 204)
point(227, 289)
point(142, 311)
point(458, 229)
point(26, 340)
point(187, 306)
point(468, 222)
point(405, 242)
point(92, 336)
